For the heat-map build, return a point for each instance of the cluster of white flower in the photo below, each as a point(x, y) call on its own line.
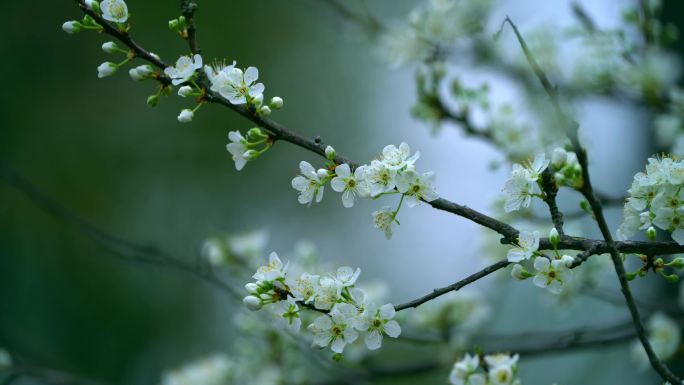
point(346, 309)
point(664, 334)
point(525, 180)
point(524, 183)
point(656, 199)
point(438, 24)
point(393, 173)
point(115, 11)
point(232, 83)
point(217, 369)
point(497, 369)
point(551, 272)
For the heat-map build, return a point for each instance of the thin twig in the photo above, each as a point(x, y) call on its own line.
point(123, 248)
point(550, 190)
point(453, 287)
point(188, 9)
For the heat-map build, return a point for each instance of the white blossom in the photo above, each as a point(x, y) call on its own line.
point(287, 314)
point(417, 187)
point(237, 148)
point(347, 276)
point(384, 220)
point(272, 271)
point(114, 10)
point(380, 178)
point(327, 293)
point(236, 86)
point(216, 69)
point(348, 183)
point(528, 243)
point(381, 322)
point(184, 69)
point(309, 183)
point(305, 287)
point(463, 372)
point(397, 158)
point(333, 330)
point(656, 199)
point(551, 274)
point(501, 368)
point(521, 186)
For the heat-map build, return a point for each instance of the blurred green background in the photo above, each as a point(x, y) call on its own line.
point(96, 147)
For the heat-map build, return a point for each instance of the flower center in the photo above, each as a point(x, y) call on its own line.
point(117, 10)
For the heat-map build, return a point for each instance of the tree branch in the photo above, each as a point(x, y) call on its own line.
point(508, 232)
point(587, 190)
point(453, 287)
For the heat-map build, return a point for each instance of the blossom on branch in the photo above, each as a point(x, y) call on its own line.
point(184, 69)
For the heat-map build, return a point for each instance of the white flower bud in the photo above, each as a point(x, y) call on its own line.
point(554, 237)
point(252, 303)
point(251, 287)
point(276, 103)
point(135, 75)
point(184, 91)
point(93, 6)
point(330, 153)
point(258, 100)
point(106, 69)
point(145, 70)
point(250, 154)
point(567, 260)
point(110, 47)
point(186, 116)
point(518, 272)
point(559, 157)
point(265, 111)
point(72, 27)
point(651, 233)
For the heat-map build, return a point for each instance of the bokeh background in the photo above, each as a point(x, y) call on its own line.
point(96, 147)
